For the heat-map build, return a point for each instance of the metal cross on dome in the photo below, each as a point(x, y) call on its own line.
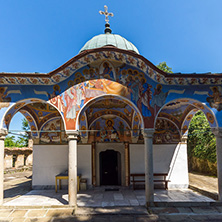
point(106, 13)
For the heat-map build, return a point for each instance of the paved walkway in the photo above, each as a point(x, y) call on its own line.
point(14, 189)
point(120, 214)
point(100, 198)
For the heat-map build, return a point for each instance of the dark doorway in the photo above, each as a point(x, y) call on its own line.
point(110, 167)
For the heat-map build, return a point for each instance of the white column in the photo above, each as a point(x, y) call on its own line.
point(2, 146)
point(72, 190)
point(218, 134)
point(148, 146)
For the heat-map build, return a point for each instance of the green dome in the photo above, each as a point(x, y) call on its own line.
point(109, 39)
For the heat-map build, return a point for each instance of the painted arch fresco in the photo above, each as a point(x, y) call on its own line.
point(116, 91)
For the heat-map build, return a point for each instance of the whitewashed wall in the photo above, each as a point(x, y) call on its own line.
point(50, 160)
point(171, 159)
point(85, 162)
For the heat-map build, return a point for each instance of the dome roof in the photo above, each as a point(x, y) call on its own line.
point(109, 39)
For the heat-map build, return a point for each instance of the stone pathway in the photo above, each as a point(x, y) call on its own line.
point(16, 185)
point(98, 197)
point(119, 214)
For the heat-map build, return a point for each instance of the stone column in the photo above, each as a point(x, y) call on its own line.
point(127, 178)
point(148, 154)
point(218, 134)
point(2, 146)
point(72, 186)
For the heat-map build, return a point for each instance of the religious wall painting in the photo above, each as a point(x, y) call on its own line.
point(52, 132)
point(177, 111)
point(73, 99)
point(136, 126)
point(106, 129)
point(93, 57)
point(31, 122)
point(166, 132)
point(83, 126)
point(186, 122)
point(40, 112)
point(215, 98)
point(107, 71)
point(159, 98)
point(55, 98)
point(5, 99)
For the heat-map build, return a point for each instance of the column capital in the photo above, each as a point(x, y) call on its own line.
point(184, 138)
point(148, 133)
point(217, 131)
point(72, 134)
point(3, 134)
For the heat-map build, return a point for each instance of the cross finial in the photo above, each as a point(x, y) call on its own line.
point(106, 13)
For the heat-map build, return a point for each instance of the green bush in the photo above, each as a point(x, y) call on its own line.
point(201, 140)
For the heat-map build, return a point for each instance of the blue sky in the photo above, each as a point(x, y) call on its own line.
point(41, 35)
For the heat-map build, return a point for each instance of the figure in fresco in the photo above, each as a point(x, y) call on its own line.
point(86, 74)
point(109, 134)
point(56, 99)
point(3, 95)
point(80, 93)
point(92, 73)
point(145, 96)
point(215, 99)
point(107, 71)
point(71, 99)
point(159, 98)
point(4, 100)
point(135, 90)
point(121, 128)
point(165, 132)
point(123, 77)
point(52, 134)
point(98, 128)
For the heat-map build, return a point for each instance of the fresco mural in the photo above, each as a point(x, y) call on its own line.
point(181, 112)
point(107, 129)
point(122, 116)
point(72, 100)
point(215, 98)
point(166, 132)
point(137, 61)
point(99, 73)
point(52, 132)
point(131, 84)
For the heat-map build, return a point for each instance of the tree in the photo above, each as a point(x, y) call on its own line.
point(201, 141)
point(164, 67)
point(10, 141)
point(21, 141)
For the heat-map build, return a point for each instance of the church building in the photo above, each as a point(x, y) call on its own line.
point(108, 113)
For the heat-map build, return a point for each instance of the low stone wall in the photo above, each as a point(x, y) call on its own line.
point(17, 157)
point(202, 166)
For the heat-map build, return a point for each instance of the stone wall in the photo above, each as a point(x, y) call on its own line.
point(17, 157)
point(202, 166)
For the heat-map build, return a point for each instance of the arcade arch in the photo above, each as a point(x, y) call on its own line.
point(40, 115)
point(180, 113)
point(110, 123)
